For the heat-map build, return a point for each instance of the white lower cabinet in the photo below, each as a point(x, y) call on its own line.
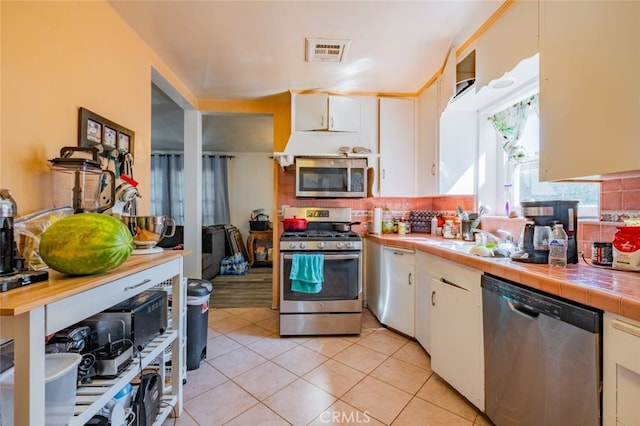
point(621, 371)
point(457, 347)
point(373, 274)
point(423, 301)
point(397, 291)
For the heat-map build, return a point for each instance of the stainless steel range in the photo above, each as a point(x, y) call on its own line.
point(320, 274)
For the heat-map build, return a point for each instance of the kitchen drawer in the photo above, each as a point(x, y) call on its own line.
point(70, 310)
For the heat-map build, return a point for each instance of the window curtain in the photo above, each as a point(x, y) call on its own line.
point(215, 190)
point(167, 183)
point(510, 123)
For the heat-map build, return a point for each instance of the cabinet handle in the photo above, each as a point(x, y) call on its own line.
point(409, 278)
point(384, 174)
point(131, 287)
point(331, 123)
point(433, 170)
point(322, 121)
point(433, 298)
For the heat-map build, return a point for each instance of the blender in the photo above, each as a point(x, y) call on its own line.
point(79, 181)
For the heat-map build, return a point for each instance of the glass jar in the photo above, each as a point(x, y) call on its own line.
point(388, 226)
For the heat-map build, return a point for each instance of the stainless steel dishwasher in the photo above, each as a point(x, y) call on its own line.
point(542, 357)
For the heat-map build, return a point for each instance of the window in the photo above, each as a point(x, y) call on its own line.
point(527, 187)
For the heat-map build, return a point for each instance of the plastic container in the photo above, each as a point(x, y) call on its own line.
point(388, 226)
point(61, 373)
point(602, 254)
point(558, 247)
point(198, 292)
point(434, 225)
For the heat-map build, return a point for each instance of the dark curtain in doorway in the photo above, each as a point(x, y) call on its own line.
point(167, 187)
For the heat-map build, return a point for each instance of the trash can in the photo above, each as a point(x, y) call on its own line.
point(198, 292)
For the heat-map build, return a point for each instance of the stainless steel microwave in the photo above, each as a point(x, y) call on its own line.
point(325, 177)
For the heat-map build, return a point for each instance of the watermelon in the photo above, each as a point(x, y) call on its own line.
point(85, 244)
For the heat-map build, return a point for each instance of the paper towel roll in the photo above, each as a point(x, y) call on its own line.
point(377, 221)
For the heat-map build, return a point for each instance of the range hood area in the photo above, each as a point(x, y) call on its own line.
point(360, 139)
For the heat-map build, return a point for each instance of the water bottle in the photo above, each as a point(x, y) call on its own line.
point(558, 247)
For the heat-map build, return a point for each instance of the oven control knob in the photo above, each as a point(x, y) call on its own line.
point(302, 245)
point(349, 244)
point(321, 244)
point(292, 244)
point(339, 244)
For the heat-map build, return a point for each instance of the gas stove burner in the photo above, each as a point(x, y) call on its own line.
point(316, 235)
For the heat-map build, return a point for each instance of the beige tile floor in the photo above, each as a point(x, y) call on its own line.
point(252, 376)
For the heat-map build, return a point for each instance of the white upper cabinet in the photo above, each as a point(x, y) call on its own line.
point(589, 98)
point(447, 82)
point(397, 147)
point(320, 111)
point(499, 51)
point(427, 143)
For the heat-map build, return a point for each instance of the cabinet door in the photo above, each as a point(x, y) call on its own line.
point(589, 61)
point(423, 301)
point(621, 375)
point(310, 111)
point(398, 290)
point(447, 81)
point(318, 111)
point(397, 147)
point(344, 114)
point(457, 353)
point(427, 143)
point(373, 256)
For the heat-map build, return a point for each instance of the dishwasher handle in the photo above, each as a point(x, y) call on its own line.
point(523, 310)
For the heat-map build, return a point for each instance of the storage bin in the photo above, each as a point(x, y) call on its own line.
point(61, 372)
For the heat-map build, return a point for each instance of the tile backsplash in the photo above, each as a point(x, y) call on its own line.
point(619, 199)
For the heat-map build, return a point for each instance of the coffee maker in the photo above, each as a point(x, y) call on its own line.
point(12, 273)
point(545, 214)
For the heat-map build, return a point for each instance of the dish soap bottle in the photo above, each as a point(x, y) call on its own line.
point(558, 247)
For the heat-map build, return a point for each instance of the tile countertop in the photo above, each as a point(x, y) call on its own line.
point(603, 288)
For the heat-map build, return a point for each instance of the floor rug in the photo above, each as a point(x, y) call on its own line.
point(243, 291)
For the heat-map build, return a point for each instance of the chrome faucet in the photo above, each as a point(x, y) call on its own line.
point(507, 236)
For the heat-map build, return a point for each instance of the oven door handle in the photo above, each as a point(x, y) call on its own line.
point(331, 256)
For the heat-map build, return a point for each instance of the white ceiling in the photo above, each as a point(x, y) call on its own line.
point(251, 49)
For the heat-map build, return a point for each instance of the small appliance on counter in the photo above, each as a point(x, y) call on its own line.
point(144, 316)
point(79, 181)
point(12, 272)
point(535, 236)
point(126, 197)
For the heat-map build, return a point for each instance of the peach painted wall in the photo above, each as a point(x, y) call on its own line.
point(57, 57)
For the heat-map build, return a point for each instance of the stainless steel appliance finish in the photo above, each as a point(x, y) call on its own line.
point(337, 307)
point(321, 177)
point(542, 358)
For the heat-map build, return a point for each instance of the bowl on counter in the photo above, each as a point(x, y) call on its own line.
point(147, 231)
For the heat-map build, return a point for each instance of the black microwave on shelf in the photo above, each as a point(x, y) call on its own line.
point(327, 177)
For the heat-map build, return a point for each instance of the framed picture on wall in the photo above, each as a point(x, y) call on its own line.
point(95, 130)
point(124, 143)
point(109, 141)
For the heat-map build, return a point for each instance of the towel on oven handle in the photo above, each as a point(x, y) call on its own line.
point(307, 273)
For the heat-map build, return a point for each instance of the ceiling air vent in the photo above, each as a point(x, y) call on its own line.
point(325, 50)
